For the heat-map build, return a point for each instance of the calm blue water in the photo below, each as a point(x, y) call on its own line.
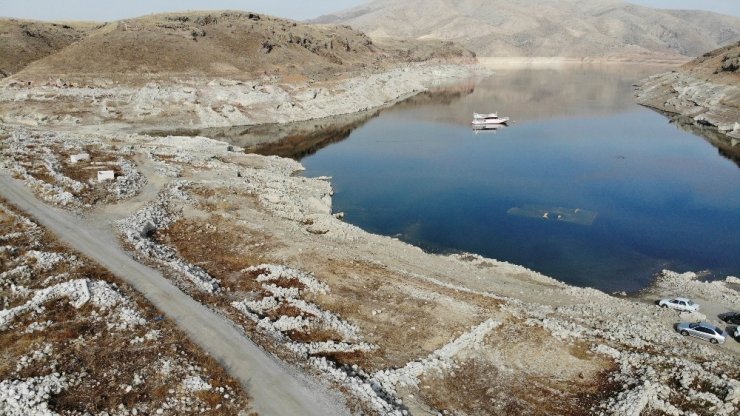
point(664, 198)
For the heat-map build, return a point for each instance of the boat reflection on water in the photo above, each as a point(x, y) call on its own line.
point(488, 129)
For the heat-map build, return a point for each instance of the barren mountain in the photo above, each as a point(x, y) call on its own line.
point(226, 44)
point(568, 28)
point(23, 41)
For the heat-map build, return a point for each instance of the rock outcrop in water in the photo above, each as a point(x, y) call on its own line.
point(704, 92)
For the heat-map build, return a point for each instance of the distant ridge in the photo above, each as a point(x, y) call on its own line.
point(231, 44)
point(533, 28)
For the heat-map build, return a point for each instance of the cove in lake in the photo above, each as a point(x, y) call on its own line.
point(656, 196)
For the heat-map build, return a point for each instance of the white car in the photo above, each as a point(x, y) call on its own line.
point(682, 304)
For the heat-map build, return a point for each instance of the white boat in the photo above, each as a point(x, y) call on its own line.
point(489, 115)
point(488, 119)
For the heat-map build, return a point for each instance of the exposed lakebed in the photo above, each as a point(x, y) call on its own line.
point(584, 186)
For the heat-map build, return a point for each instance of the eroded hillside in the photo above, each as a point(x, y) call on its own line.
point(237, 45)
point(23, 41)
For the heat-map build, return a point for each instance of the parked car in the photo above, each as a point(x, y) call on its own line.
point(731, 318)
point(737, 334)
point(703, 330)
point(682, 304)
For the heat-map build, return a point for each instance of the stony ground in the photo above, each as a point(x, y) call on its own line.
point(75, 340)
point(398, 330)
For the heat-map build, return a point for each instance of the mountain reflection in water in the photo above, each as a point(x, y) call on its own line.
point(652, 196)
point(300, 139)
point(726, 146)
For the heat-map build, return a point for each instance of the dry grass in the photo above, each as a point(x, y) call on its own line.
point(233, 44)
point(480, 387)
point(22, 42)
point(402, 330)
point(314, 334)
point(84, 171)
point(222, 200)
point(222, 249)
point(285, 310)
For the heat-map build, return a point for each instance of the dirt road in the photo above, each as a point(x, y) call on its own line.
point(274, 388)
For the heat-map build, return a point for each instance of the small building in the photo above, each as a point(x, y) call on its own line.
point(79, 157)
point(106, 175)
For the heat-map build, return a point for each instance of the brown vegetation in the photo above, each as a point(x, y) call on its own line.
point(720, 65)
point(480, 387)
point(24, 41)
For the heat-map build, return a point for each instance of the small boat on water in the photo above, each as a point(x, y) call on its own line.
point(488, 119)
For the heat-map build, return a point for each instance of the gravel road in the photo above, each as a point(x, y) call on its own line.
point(275, 388)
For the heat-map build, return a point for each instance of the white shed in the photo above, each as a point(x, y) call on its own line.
point(79, 157)
point(106, 175)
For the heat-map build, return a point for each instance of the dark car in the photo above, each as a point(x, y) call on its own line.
point(731, 318)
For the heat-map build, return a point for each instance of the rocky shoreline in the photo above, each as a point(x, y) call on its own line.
point(210, 103)
point(704, 102)
point(705, 93)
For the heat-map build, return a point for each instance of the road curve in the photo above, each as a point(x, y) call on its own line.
point(275, 388)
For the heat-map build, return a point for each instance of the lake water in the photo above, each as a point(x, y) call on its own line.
point(626, 193)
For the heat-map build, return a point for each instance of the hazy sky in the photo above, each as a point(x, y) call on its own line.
point(294, 9)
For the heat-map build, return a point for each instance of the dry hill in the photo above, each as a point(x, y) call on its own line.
point(23, 41)
point(568, 28)
point(226, 44)
point(721, 65)
point(216, 69)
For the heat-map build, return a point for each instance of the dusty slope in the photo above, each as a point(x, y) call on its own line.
point(24, 41)
point(704, 93)
point(238, 45)
point(569, 28)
